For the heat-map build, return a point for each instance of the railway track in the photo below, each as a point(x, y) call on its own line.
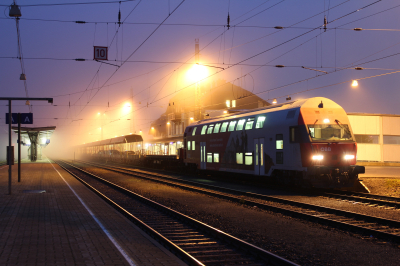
point(194, 242)
point(367, 225)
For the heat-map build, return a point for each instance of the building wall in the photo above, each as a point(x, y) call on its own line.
point(377, 136)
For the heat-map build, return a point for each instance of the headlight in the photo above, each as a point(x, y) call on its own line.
point(348, 157)
point(317, 157)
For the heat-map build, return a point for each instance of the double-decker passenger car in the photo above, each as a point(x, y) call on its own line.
point(308, 141)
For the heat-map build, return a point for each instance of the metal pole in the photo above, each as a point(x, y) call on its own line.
point(19, 147)
point(9, 149)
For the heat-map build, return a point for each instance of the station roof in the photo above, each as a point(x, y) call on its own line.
point(42, 130)
point(116, 140)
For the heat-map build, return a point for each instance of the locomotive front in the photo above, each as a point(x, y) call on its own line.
point(329, 150)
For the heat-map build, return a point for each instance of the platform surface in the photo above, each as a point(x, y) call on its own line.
point(67, 224)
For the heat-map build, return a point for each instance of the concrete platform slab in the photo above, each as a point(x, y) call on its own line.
point(67, 224)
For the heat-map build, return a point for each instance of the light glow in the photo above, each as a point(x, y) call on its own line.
point(354, 84)
point(326, 120)
point(318, 157)
point(197, 73)
point(274, 101)
point(349, 157)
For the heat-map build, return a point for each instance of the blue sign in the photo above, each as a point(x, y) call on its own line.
point(26, 118)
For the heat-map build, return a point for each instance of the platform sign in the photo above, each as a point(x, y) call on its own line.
point(26, 118)
point(100, 53)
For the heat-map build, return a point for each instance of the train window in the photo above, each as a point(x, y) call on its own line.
point(249, 123)
point(216, 157)
point(224, 126)
point(240, 124)
point(203, 130)
point(248, 158)
point(210, 129)
point(216, 128)
point(188, 145)
point(294, 134)
point(239, 158)
point(193, 145)
point(209, 157)
point(194, 131)
point(279, 157)
point(260, 122)
point(279, 141)
point(232, 126)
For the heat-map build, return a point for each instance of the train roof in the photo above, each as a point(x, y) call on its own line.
point(303, 103)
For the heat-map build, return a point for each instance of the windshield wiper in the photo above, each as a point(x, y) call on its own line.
point(309, 131)
point(341, 125)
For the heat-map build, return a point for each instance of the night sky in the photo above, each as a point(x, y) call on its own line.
point(152, 49)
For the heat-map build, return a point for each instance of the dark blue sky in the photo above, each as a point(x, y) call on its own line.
point(51, 41)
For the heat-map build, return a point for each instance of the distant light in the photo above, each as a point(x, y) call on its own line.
point(99, 127)
point(191, 118)
point(171, 143)
point(354, 83)
point(326, 120)
point(98, 113)
point(225, 112)
point(151, 128)
point(179, 142)
point(168, 123)
point(274, 101)
point(130, 133)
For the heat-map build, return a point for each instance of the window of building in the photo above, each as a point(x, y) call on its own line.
point(279, 141)
point(233, 103)
point(232, 125)
point(240, 124)
point(193, 145)
point(260, 122)
point(203, 130)
point(228, 103)
point(391, 140)
point(224, 126)
point(210, 129)
point(194, 131)
point(371, 139)
point(239, 158)
point(248, 158)
point(249, 124)
point(188, 145)
point(209, 157)
point(216, 157)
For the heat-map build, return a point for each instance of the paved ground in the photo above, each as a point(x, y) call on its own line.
point(67, 225)
point(381, 171)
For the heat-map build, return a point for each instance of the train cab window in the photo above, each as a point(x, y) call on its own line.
point(193, 145)
point(203, 130)
point(210, 129)
point(249, 124)
point(239, 158)
point(224, 126)
point(194, 131)
point(188, 145)
point(232, 125)
point(216, 128)
point(240, 124)
point(248, 158)
point(216, 157)
point(279, 141)
point(209, 157)
point(260, 122)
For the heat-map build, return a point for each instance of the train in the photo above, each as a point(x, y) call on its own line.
point(303, 142)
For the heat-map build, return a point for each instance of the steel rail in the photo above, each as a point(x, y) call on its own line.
point(316, 217)
point(269, 257)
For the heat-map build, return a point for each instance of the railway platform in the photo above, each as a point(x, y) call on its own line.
point(52, 219)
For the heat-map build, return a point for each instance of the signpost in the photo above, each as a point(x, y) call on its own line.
point(26, 118)
point(100, 53)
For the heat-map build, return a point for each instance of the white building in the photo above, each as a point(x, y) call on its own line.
point(377, 136)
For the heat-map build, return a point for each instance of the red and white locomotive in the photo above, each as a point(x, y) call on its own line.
point(305, 141)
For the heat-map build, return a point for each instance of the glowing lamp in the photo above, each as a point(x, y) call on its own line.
point(354, 83)
point(326, 120)
point(274, 101)
point(317, 157)
point(349, 157)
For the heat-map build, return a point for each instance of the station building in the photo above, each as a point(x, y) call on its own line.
point(377, 136)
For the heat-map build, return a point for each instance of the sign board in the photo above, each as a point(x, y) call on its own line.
point(100, 53)
point(26, 118)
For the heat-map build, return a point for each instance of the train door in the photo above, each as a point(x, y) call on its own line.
point(202, 155)
point(259, 167)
